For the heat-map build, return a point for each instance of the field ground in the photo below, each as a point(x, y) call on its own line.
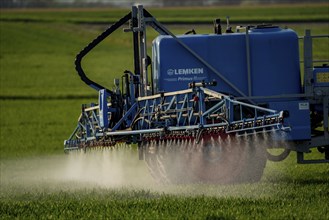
point(238, 14)
point(66, 187)
point(40, 100)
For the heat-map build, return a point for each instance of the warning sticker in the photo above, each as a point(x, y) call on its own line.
point(303, 106)
point(322, 77)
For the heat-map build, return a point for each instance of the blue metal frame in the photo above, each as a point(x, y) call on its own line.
point(188, 111)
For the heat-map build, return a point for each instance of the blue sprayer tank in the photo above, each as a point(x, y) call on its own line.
point(273, 54)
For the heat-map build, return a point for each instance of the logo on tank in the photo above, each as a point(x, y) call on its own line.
point(185, 71)
point(170, 72)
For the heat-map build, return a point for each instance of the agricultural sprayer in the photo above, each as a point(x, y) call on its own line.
point(207, 108)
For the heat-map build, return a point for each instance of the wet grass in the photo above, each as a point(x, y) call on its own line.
point(291, 198)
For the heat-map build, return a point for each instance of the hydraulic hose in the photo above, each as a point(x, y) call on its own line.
point(280, 157)
point(93, 44)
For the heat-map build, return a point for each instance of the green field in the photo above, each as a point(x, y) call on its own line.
point(244, 13)
point(40, 100)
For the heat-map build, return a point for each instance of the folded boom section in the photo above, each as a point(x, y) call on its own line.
point(188, 113)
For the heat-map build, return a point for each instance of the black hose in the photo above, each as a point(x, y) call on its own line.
point(280, 157)
point(93, 44)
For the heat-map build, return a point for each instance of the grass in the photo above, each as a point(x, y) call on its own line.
point(48, 53)
point(40, 100)
point(244, 13)
point(145, 205)
point(276, 197)
point(285, 192)
point(36, 127)
point(35, 47)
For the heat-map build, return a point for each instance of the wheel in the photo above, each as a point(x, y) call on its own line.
point(215, 159)
point(230, 160)
point(278, 150)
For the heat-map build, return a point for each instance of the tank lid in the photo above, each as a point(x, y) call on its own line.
point(265, 28)
point(262, 26)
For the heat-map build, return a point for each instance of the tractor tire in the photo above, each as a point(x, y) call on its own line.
point(214, 160)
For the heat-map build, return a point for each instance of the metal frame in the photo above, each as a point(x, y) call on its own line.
point(313, 99)
point(309, 94)
point(170, 114)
